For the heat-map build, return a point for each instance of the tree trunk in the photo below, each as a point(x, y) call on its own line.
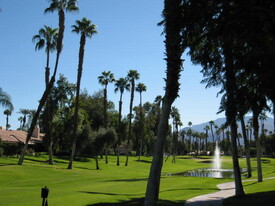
point(79, 74)
point(231, 114)
point(117, 160)
point(96, 162)
point(172, 16)
point(152, 191)
point(258, 145)
point(247, 148)
point(130, 121)
point(34, 119)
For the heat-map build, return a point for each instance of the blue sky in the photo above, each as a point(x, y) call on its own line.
point(128, 38)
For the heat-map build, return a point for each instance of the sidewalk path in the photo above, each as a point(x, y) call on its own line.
point(216, 198)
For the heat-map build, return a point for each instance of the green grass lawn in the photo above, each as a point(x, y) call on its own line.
point(111, 185)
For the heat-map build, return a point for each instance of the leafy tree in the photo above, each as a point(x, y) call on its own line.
point(131, 76)
point(86, 29)
point(172, 17)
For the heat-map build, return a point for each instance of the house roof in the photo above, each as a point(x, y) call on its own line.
point(16, 136)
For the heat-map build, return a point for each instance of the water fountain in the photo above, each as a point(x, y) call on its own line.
point(217, 158)
point(215, 171)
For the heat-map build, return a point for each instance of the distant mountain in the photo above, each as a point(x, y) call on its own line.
point(268, 124)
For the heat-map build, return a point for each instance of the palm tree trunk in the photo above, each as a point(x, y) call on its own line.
point(247, 148)
point(105, 108)
point(258, 145)
point(7, 122)
point(35, 117)
point(79, 74)
point(231, 114)
point(48, 111)
point(172, 14)
point(130, 121)
point(152, 191)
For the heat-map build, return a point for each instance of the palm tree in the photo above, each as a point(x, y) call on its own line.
point(47, 37)
point(132, 76)
point(189, 133)
point(86, 29)
point(104, 80)
point(5, 100)
point(141, 88)
point(24, 112)
point(20, 119)
point(120, 85)
point(176, 121)
point(158, 101)
point(61, 6)
point(172, 14)
point(206, 128)
point(7, 112)
point(211, 123)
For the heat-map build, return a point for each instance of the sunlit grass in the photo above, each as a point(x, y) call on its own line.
point(83, 185)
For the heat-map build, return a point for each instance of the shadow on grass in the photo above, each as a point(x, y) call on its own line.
point(128, 180)
point(206, 161)
point(79, 159)
point(255, 199)
point(144, 161)
point(3, 164)
point(139, 201)
point(86, 168)
point(34, 160)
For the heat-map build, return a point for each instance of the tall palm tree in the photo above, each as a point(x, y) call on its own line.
point(158, 101)
point(7, 112)
point(176, 121)
point(172, 15)
point(189, 133)
point(132, 76)
point(141, 88)
point(104, 80)
point(24, 112)
point(120, 85)
point(47, 37)
point(211, 123)
point(86, 29)
point(206, 128)
point(60, 6)
point(5, 100)
point(20, 119)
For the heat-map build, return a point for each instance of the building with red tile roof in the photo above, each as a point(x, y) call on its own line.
point(19, 137)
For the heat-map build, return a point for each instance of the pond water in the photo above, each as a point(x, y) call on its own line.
point(206, 172)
